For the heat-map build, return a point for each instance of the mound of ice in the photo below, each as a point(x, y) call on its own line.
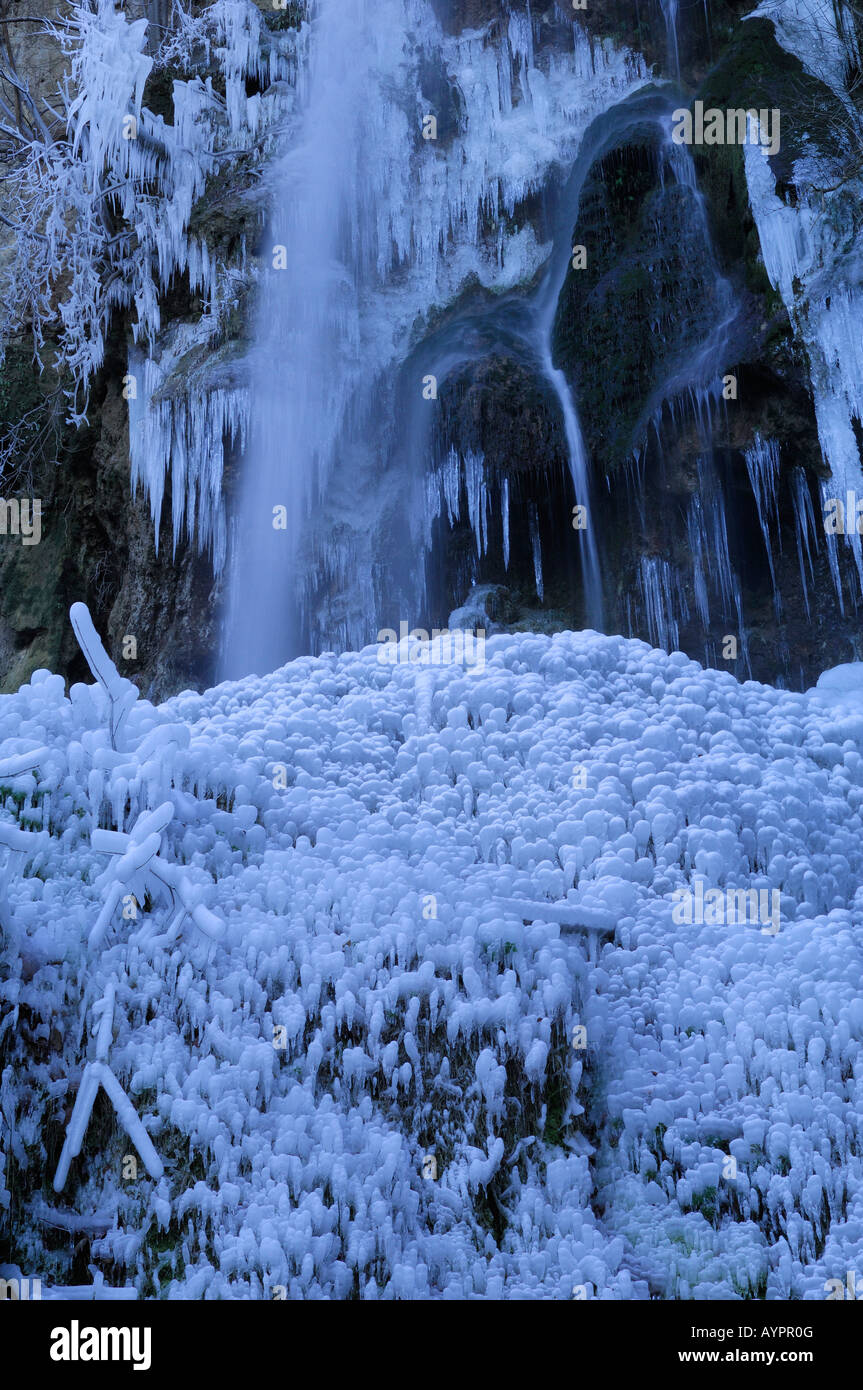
point(842, 683)
point(393, 1070)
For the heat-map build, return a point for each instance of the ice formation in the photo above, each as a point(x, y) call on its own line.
point(389, 227)
point(408, 864)
point(811, 249)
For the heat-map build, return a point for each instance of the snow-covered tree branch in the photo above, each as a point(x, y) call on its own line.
point(99, 190)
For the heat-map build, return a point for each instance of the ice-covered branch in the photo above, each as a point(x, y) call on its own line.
point(94, 1075)
point(20, 843)
point(137, 854)
point(121, 692)
point(23, 762)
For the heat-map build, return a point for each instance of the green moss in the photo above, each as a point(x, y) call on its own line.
point(706, 1202)
point(755, 71)
point(634, 315)
point(21, 387)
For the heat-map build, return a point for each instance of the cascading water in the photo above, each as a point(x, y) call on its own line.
point(670, 14)
point(374, 230)
point(579, 470)
point(308, 369)
point(379, 228)
point(690, 394)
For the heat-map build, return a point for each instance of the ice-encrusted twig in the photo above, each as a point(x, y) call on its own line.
point(23, 762)
point(129, 1119)
point(97, 1292)
point(20, 841)
point(98, 1074)
point(121, 692)
point(571, 917)
point(106, 1022)
point(96, 1223)
point(136, 856)
point(137, 853)
point(20, 844)
point(174, 879)
point(77, 1126)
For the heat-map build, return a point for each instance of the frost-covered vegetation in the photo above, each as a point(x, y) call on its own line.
point(100, 189)
point(367, 985)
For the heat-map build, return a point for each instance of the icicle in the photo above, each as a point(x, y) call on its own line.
point(741, 630)
point(833, 554)
point(805, 254)
point(804, 527)
point(477, 499)
point(656, 581)
point(533, 526)
point(504, 495)
point(707, 536)
point(718, 556)
point(762, 465)
point(697, 538)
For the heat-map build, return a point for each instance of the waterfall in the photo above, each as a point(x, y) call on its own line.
point(669, 14)
point(698, 379)
point(309, 370)
point(578, 466)
point(374, 230)
point(379, 227)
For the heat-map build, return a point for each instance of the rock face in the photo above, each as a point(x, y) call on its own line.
point(157, 610)
point(156, 606)
point(630, 321)
point(667, 271)
point(501, 410)
point(673, 272)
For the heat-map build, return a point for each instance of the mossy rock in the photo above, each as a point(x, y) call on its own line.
point(757, 72)
point(22, 387)
point(702, 31)
point(634, 316)
point(230, 213)
point(504, 409)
